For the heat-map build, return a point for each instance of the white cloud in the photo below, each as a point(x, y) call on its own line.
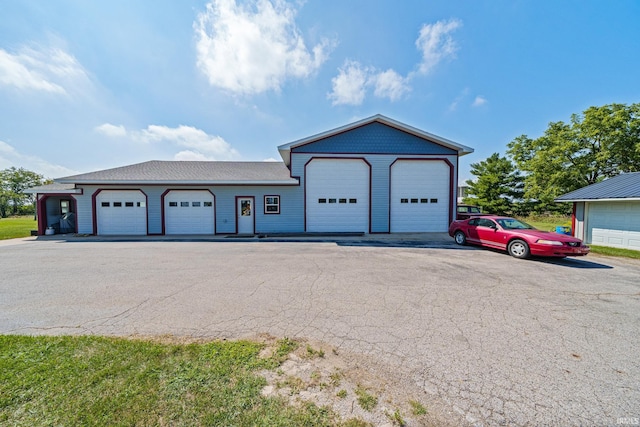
point(479, 101)
point(111, 130)
point(349, 85)
point(199, 144)
point(9, 157)
point(46, 69)
point(253, 48)
point(389, 84)
point(436, 44)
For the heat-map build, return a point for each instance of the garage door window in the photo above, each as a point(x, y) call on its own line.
point(105, 204)
point(117, 204)
point(184, 204)
point(208, 204)
point(195, 204)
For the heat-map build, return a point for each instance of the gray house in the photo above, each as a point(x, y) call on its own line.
point(376, 175)
point(608, 213)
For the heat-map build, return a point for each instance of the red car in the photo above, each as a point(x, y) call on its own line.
point(516, 237)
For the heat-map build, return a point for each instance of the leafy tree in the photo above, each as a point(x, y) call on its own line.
point(498, 186)
point(13, 182)
point(600, 143)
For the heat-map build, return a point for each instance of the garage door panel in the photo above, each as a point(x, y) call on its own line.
point(337, 195)
point(614, 224)
point(121, 212)
point(189, 212)
point(419, 196)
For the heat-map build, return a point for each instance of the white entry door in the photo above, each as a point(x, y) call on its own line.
point(245, 213)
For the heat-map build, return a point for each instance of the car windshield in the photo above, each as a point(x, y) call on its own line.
point(514, 224)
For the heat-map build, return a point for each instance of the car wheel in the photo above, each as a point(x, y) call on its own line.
point(518, 249)
point(460, 238)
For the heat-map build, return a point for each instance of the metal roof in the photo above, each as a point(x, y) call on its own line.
point(620, 187)
point(187, 172)
point(285, 149)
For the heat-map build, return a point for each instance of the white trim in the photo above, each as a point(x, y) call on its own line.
point(619, 199)
point(293, 181)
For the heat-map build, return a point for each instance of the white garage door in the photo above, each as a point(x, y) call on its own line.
point(615, 224)
point(337, 195)
point(189, 212)
point(420, 196)
point(121, 212)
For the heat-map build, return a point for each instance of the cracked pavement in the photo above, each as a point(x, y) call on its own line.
point(497, 340)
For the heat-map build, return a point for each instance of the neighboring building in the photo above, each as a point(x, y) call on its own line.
point(376, 175)
point(608, 213)
point(463, 191)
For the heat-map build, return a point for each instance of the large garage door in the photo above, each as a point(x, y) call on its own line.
point(420, 192)
point(189, 212)
point(337, 195)
point(615, 224)
point(121, 212)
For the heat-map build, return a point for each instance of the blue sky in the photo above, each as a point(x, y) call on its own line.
point(89, 85)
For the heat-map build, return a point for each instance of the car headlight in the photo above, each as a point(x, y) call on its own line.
point(549, 242)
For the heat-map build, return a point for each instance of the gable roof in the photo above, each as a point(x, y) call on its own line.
point(187, 172)
point(625, 186)
point(285, 149)
point(54, 188)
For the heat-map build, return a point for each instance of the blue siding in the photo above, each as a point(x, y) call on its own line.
point(290, 219)
point(375, 138)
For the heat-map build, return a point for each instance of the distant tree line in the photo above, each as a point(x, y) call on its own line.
point(13, 199)
point(599, 143)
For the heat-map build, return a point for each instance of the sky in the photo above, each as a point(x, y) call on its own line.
point(91, 85)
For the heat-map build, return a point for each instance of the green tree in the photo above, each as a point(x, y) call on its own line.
point(599, 143)
point(13, 182)
point(498, 186)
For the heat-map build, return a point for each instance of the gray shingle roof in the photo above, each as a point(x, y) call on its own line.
point(55, 187)
point(623, 186)
point(186, 172)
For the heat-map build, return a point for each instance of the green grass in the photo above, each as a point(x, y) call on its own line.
point(86, 381)
point(18, 226)
point(605, 250)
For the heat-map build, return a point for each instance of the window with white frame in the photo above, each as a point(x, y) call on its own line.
point(271, 204)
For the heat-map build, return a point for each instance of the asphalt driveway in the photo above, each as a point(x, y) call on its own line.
point(499, 340)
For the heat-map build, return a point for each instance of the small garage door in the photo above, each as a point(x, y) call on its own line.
point(189, 212)
point(615, 224)
point(121, 212)
point(420, 192)
point(337, 195)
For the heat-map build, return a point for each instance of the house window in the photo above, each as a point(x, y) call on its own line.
point(271, 204)
point(65, 206)
point(173, 204)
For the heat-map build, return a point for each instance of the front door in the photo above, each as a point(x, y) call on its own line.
point(245, 214)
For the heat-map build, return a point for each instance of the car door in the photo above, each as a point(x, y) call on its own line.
point(490, 233)
point(472, 231)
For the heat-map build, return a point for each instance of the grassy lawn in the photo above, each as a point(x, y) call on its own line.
point(113, 381)
point(19, 226)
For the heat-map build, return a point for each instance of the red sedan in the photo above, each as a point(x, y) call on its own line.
point(516, 237)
